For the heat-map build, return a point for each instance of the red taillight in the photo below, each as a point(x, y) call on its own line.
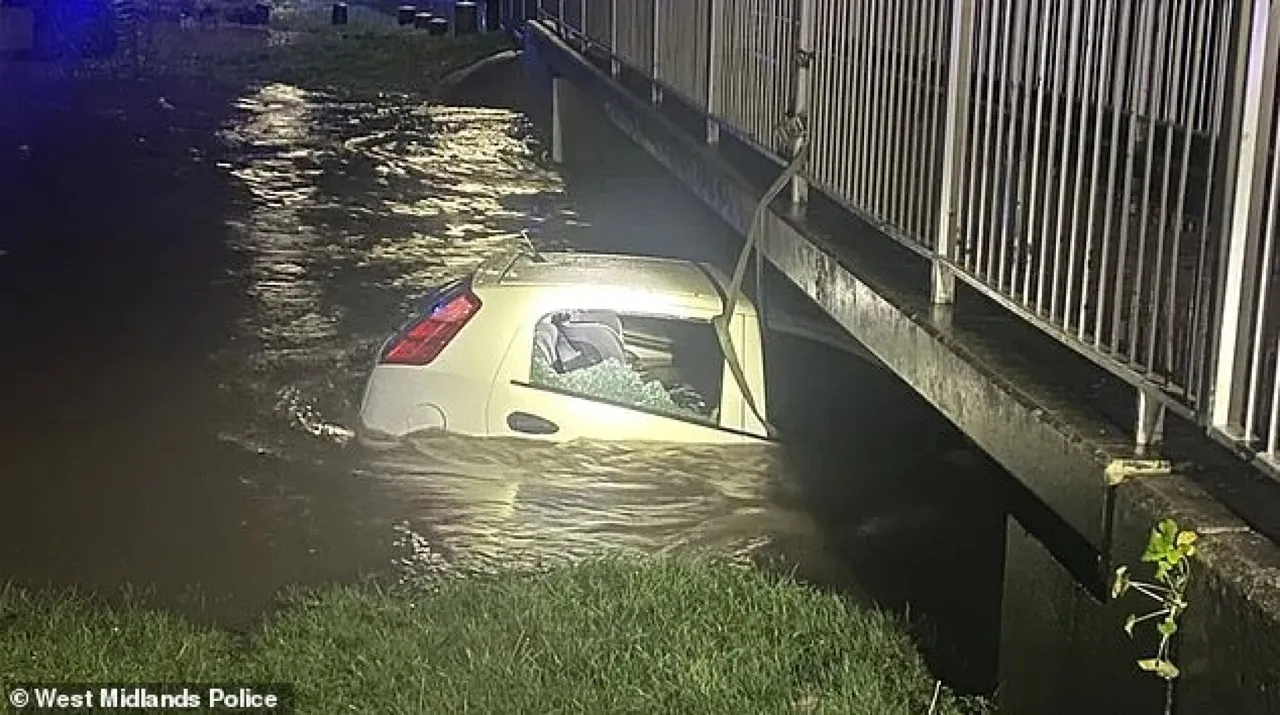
point(422, 342)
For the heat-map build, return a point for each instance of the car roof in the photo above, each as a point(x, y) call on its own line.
point(696, 282)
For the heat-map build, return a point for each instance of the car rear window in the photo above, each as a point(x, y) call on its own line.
point(667, 365)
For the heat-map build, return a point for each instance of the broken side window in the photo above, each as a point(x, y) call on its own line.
point(668, 365)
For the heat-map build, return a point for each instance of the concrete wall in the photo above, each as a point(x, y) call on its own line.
point(1062, 647)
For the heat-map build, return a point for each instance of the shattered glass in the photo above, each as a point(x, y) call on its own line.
point(616, 381)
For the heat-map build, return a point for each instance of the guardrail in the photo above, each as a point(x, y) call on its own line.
point(1105, 169)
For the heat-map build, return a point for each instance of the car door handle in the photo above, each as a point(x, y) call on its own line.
point(531, 424)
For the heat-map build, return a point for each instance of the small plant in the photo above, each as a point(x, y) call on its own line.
point(1170, 549)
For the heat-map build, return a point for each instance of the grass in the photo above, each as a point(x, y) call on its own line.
point(611, 635)
point(370, 56)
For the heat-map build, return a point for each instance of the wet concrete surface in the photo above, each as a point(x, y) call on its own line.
point(191, 292)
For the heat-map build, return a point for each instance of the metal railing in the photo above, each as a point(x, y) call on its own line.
point(683, 51)
point(879, 93)
point(754, 64)
point(1246, 404)
point(598, 25)
point(1086, 201)
point(1105, 169)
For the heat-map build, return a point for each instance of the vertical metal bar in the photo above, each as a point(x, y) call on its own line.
point(1117, 113)
point(1263, 294)
point(1273, 431)
point(821, 131)
point(558, 90)
point(959, 77)
point(995, 171)
point(914, 116)
point(1271, 234)
point(714, 65)
point(1244, 234)
point(892, 189)
point(1016, 152)
point(804, 52)
point(1105, 59)
point(1172, 121)
point(1150, 423)
point(655, 63)
point(930, 44)
point(1047, 268)
point(615, 67)
point(1031, 237)
point(827, 80)
point(845, 95)
point(1198, 60)
point(860, 69)
point(734, 61)
point(1075, 38)
point(1137, 100)
point(985, 18)
point(1150, 106)
point(875, 155)
point(1203, 357)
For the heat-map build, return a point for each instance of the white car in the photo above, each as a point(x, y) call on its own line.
point(562, 346)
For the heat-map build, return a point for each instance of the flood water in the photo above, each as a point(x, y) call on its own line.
point(192, 286)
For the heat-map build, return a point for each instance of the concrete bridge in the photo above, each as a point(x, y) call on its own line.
point(1057, 220)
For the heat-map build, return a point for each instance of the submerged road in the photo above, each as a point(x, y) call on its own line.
point(192, 285)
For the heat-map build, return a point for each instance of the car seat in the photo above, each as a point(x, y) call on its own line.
point(574, 341)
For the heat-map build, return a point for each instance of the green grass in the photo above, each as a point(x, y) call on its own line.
point(368, 57)
point(612, 635)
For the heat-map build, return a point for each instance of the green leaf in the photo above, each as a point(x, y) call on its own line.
point(1162, 570)
point(1129, 623)
point(1162, 540)
point(1168, 626)
point(1120, 584)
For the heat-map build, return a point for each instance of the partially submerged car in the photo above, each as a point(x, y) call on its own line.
point(562, 346)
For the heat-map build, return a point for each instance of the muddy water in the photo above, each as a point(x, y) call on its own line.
point(190, 295)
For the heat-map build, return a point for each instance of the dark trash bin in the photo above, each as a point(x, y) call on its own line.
point(406, 14)
point(422, 20)
point(466, 18)
point(438, 26)
point(340, 13)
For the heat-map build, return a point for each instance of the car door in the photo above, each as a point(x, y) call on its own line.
point(522, 403)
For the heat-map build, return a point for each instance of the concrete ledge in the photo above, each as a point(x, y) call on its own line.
point(1229, 649)
point(1063, 651)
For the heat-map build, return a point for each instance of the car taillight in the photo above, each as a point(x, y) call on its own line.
point(424, 340)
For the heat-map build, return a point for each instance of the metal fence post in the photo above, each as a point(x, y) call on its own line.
point(655, 89)
point(564, 29)
point(800, 95)
point(713, 68)
point(615, 67)
point(1261, 31)
point(955, 133)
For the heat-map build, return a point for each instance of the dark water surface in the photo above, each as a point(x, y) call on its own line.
point(191, 291)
